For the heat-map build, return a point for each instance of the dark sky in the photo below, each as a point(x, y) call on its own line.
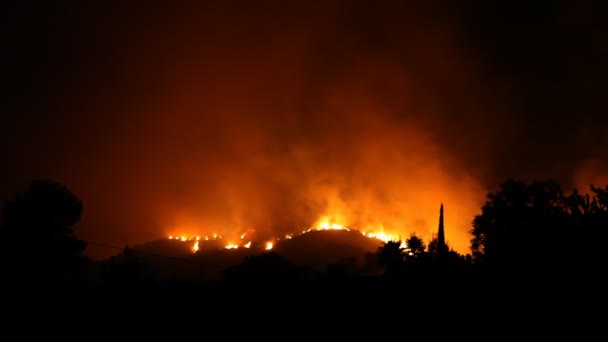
point(225, 115)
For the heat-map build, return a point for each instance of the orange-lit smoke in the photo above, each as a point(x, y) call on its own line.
point(277, 139)
point(220, 117)
point(216, 120)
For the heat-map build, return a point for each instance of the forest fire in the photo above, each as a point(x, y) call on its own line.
point(194, 238)
point(322, 225)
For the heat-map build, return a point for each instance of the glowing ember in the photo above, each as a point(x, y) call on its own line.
point(327, 226)
point(324, 224)
point(384, 237)
point(192, 238)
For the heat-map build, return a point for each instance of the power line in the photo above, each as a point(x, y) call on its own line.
point(102, 245)
point(153, 254)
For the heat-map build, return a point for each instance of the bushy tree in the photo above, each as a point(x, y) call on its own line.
point(391, 255)
point(37, 231)
point(536, 227)
point(415, 246)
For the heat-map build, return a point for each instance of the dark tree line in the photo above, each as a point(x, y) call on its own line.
point(529, 230)
point(417, 261)
point(539, 229)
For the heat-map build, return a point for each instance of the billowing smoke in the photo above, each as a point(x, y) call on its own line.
point(220, 118)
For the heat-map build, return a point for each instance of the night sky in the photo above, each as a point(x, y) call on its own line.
point(226, 115)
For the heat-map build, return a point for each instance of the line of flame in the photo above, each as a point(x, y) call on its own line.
point(270, 244)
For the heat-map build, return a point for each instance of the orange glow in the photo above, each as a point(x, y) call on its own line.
point(371, 143)
point(339, 217)
point(326, 223)
point(185, 237)
point(323, 224)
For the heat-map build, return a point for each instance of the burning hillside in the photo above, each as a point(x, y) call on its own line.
point(248, 239)
point(312, 248)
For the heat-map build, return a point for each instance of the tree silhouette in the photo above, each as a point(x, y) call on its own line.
point(415, 246)
point(37, 230)
point(524, 225)
point(589, 218)
point(391, 255)
point(433, 247)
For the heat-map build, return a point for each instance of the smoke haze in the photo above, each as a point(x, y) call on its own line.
point(225, 116)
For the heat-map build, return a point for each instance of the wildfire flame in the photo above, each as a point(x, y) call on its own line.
point(334, 226)
point(323, 224)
